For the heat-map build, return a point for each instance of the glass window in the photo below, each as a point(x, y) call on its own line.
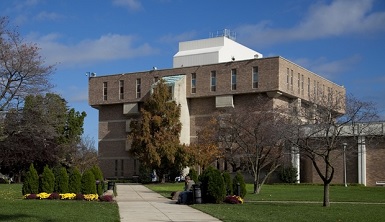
point(308, 87)
point(193, 83)
point(298, 82)
point(233, 79)
point(121, 89)
point(255, 77)
point(104, 90)
point(291, 80)
point(287, 78)
point(213, 83)
point(138, 88)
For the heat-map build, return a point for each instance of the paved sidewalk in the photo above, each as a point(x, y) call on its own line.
point(138, 203)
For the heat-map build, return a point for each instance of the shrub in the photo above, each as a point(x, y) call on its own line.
point(238, 178)
point(144, 174)
point(106, 198)
point(288, 174)
point(213, 186)
point(79, 196)
point(47, 181)
point(61, 180)
point(193, 174)
point(31, 196)
point(74, 181)
point(88, 183)
point(54, 196)
point(31, 181)
point(228, 183)
point(99, 177)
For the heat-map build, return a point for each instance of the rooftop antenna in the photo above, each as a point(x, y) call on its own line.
point(226, 33)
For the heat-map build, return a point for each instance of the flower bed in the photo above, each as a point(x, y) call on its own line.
point(69, 196)
point(233, 199)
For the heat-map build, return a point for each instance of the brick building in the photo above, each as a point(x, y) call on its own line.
point(208, 74)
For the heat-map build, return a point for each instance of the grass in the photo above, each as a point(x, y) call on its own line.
point(14, 208)
point(296, 203)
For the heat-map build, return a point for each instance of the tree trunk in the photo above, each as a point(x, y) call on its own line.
point(257, 187)
point(326, 202)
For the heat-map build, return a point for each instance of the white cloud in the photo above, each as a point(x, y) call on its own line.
point(106, 48)
point(130, 4)
point(340, 17)
point(43, 16)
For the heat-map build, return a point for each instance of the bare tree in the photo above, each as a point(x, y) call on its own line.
point(22, 69)
point(254, 134)
point(319, 131)
point(86, 155)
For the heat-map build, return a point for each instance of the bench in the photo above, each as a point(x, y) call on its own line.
point(380, 183)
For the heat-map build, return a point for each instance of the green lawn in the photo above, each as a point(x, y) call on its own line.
point(297, 203)
point(14, 208)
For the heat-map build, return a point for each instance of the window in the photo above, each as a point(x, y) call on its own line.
point(287, 78)
point(302, 84)
point(193, 83)
point(308, 87)
point(121, 167)
point(213, 84)
point(233, 79)
point(104, 90)
point(298, 82)
point(255, 77)
point(138, 86)
point(170, 92)
point(116, 168)
point(121, 89)
point(291, 80)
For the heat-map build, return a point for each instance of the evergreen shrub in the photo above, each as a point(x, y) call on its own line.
point(228, 183)
point(288, 174)
point(74, 181)
point(88, 183)
point(98, 176)
point(47, 181)
point(61, 181)
point(212, 186)
point(238, 178)
point(31, 181)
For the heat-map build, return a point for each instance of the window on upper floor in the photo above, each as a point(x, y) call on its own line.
point(121, 89)
point(302, 84)
point(287, 78)
point(308, 87)
point(233, 79)
point(298, 83)
point(255, 77)
point(138, 88)
point(104, 90)
point(291, 80)
point(213, 81)
point(193, 82)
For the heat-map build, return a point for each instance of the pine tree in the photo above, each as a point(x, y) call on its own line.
point(98, 179)
point(61, 180)
point(213, 186)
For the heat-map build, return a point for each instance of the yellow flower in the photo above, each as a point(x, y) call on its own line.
point(67, 196)
point(90, 197)
point(43, 195)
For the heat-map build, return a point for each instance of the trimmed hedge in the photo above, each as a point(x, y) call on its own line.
point(31, 181)
point(74, 181)
point(213, 186)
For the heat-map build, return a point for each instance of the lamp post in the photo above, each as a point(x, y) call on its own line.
point(97, 186)
point(344, 159)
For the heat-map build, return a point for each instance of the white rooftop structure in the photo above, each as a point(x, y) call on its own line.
point(212, 50)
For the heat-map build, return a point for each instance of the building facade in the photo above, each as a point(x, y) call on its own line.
point(208, 75)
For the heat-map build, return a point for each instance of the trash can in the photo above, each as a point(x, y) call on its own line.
point(197, 194)
point(110, 185)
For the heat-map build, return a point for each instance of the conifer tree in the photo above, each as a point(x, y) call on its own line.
point(31, 181)
point(61, 180)
point(98, 179)
point(74, 182)
point(88, 183)
point(47, 181)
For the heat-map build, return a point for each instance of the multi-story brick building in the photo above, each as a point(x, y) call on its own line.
point(208, 74)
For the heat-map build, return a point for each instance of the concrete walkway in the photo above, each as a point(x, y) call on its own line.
point(138, 203)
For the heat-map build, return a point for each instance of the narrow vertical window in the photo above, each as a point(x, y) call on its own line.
point(291, 80)
point(287, 78)
point(298, 83)
point(116, 168)
point(308, 87)
point(104, 90)
point(302, 84)
point(193, 82)
point(233, 79)
point(138, 88)
point(122, 168)
point(213, 84)
point(315, 89)
point(255, 77)
point(121, 89)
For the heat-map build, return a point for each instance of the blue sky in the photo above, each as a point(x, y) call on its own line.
point(342, 40)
